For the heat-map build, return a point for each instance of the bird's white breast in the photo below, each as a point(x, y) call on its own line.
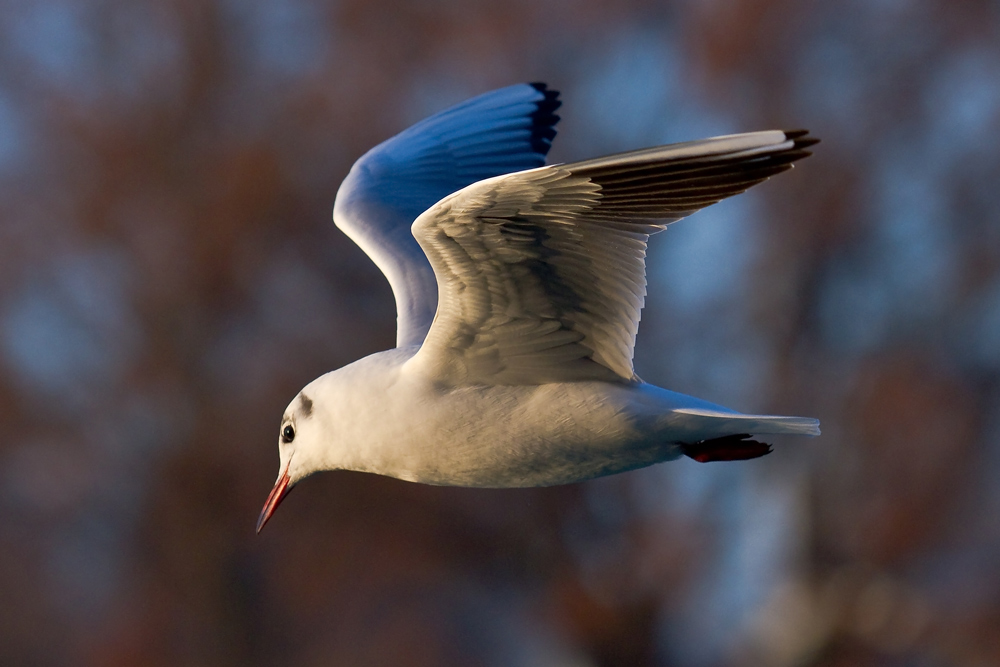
point(388, 421)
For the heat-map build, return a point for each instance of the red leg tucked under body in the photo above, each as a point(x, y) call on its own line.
point(728, 448)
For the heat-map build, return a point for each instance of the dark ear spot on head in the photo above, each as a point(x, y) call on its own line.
point(307, 405)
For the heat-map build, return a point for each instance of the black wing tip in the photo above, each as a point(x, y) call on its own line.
point(543, 88)
point(801, 138)
point(543, 120)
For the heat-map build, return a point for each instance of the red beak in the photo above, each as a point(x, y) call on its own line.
point(274, 499)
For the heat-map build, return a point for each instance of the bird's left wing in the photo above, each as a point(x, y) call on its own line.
point(541, 273)
point(501, 131)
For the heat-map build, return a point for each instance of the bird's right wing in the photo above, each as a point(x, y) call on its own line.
point(505, 130)
point(541, 273)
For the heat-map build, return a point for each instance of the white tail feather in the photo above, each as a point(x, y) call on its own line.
point(756, 424)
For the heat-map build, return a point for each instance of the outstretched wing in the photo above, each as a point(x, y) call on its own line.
point(387, 188)
point(541, 273)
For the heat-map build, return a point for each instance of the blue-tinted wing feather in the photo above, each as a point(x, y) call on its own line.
point(502, 131)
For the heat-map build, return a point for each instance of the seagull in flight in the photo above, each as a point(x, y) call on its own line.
point(518, 291)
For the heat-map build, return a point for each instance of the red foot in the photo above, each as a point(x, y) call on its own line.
point(728, 448)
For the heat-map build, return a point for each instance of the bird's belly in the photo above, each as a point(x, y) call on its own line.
point(527, 436)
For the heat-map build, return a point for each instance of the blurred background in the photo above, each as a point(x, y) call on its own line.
point(170, 277)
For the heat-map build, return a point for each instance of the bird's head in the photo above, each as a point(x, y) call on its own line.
point(298, 451)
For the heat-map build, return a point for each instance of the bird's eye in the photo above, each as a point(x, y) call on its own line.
point(287, 433)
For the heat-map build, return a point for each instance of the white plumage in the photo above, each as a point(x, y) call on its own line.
point(518, 290)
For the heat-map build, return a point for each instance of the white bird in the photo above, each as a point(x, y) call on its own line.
point(518, 291)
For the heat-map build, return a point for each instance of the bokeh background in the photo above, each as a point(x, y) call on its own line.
point(170, 277)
